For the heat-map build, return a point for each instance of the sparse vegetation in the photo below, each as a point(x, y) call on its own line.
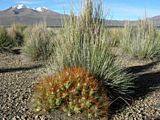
point(141, 41)
point(39, 43)
point(82, 73)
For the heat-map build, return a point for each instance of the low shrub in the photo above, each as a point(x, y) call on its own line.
point(39, 43)
point(141, 41)
point(74, 90)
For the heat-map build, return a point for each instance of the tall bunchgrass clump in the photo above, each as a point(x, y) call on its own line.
point(16, 34)
point(38, 43)
point(141, 41)
point(81, 45)
point(6, 43)
point(73, 90)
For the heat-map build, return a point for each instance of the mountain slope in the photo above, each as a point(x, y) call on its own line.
point(26, 15)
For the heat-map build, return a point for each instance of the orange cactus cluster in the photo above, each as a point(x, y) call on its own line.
point(73, 90)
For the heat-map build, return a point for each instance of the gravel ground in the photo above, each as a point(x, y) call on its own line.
point(17, 80)
point(147, 108)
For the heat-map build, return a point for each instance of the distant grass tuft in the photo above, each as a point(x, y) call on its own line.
point(16, 33)
point(113, 35)
point(39, 42)
point(6, 43)
point(141, 41)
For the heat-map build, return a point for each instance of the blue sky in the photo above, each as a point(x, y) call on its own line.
point(113, 9)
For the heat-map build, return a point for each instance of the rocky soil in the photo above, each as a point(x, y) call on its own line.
point(17, 80)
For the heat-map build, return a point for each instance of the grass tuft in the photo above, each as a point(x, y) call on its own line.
point(16, 34)
point(141, 41)
point(6, 43)
point(39, 43)
point(113, 35)
point(82, 42)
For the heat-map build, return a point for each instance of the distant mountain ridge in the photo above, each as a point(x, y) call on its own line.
point(28, 16)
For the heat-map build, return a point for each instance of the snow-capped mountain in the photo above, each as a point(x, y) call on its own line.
point(43, 9)
point(27, 15)
point(19, 6)
point(22, 6)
